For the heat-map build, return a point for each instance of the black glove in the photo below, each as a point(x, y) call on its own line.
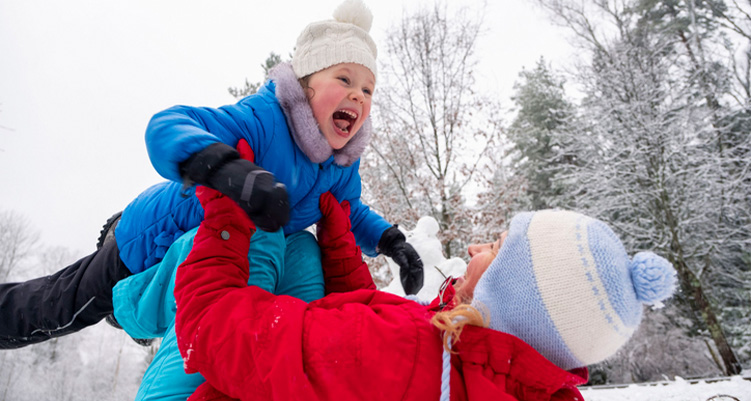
point(394, 245)
point(220, 167)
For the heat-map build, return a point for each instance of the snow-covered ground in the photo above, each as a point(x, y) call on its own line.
point(725, 389)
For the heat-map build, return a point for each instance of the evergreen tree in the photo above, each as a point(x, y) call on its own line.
point(543, 112)
point(250, 88)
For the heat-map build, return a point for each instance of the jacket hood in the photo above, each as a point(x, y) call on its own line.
point(304, 126)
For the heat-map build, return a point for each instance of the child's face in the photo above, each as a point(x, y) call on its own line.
point(340, 97)
point(482, 255)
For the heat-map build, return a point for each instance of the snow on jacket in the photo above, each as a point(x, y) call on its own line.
point(360, 345)
point(279, 125)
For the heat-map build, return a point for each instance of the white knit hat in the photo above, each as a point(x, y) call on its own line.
point(344, 39)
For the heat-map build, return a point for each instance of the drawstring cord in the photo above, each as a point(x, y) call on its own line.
point(446, 373)
point(446, 357)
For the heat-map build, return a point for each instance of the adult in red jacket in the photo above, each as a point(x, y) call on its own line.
point(356, 343)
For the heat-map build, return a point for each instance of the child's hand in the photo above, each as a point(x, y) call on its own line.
point(394, 245)
point(221, 167)
point(256, 191)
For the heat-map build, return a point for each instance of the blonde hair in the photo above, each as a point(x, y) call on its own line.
point(452, 322)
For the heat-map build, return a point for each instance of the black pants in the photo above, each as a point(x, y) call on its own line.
point(76, 297)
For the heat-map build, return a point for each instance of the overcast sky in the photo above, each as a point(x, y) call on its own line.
point(80, 79)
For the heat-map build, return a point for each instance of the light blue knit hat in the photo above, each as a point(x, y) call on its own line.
point(564, 284)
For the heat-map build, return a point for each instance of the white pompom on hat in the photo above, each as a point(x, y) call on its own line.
point(345, 39)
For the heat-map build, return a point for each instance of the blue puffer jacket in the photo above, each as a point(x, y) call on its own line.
point(296, 153)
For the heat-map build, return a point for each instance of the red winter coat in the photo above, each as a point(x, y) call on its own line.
point(360, 345)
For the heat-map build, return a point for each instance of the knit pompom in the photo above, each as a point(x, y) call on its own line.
point(354, 12)
point(653, 277)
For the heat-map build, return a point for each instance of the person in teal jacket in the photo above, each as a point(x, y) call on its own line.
point(306, 129)
point(145, 305)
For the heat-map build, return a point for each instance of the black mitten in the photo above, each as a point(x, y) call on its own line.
point(220, 167)
point(394, 245)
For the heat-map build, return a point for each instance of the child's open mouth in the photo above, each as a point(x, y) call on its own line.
point(344, 120)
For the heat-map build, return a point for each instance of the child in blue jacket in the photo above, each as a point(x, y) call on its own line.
point(306, 128)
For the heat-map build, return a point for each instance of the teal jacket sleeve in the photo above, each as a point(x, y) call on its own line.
point(144, 303)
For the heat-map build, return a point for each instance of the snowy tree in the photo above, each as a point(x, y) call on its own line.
point(432, 130)
point(658, 350)
point(52, 259)
point(250, 88)
point(498, 201)
point(735, 20)
point(655, 159)
point(17, 241)
point(98, 363)
point(542, 113)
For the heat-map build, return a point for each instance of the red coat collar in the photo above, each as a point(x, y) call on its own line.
point(526, 372)
point(446, 298)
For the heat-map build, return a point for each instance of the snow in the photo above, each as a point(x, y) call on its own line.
point(726, 389)
point(97, 363)
point(424, 238)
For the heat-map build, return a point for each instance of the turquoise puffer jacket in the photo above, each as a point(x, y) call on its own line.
point(144, 304)
point(296, 153)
